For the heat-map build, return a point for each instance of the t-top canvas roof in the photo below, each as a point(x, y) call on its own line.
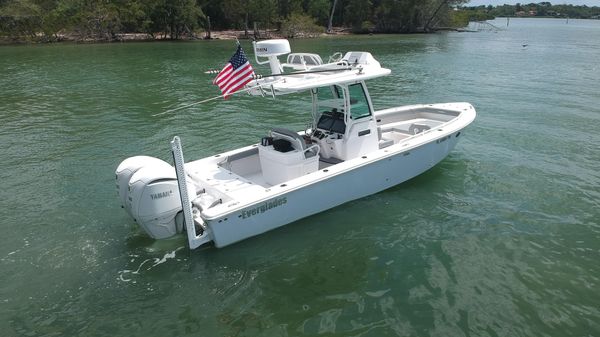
point(354, 67)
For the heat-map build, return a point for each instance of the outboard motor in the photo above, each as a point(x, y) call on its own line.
point(127, 168)
point(149, 192)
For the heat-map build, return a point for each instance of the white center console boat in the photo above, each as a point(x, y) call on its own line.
point(350, 149)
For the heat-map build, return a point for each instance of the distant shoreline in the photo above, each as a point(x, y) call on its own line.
point(145, 37)
point(225, 35)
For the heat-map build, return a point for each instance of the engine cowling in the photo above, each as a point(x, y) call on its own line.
point(127, 168)
point(152, 195)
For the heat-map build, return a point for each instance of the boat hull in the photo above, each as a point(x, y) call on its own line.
point(338, 189)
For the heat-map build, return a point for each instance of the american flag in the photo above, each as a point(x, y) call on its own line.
point(237, 73)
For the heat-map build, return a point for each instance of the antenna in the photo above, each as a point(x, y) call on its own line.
point(271, 49)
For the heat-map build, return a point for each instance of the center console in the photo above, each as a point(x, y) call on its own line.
point(329, 134)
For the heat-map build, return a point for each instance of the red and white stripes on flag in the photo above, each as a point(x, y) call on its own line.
point(235, 75)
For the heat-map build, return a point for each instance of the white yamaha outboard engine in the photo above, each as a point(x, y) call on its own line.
point(149, 192)
point(127, 168)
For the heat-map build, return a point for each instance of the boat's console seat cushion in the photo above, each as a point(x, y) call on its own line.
point(293, 138)
point(285, 140)
point(282, 145)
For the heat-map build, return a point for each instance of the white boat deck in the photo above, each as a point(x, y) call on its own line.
point(211, 176)
point(399, 131)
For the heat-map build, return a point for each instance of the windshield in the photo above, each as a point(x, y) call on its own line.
point(359, 105)
point(329, 98)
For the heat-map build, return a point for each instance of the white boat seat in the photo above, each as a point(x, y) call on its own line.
point(288, 158)
point(383, 142)
point(295, 140)
point(294, 137)
point(418, 128)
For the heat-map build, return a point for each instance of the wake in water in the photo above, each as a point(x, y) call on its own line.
point(125, 275)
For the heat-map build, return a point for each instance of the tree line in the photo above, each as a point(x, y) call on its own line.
point(52, 20)
point(541, 9)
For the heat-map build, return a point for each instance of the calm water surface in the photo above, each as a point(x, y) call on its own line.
point(500, 239)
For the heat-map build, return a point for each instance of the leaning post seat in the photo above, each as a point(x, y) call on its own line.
point(288, 157)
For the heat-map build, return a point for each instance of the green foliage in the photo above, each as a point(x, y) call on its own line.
point(234, 12)
point(357, 13)
point(174, 18)
point(461, 18)
point(367, 27)
point(20, 18)
point(89, 20)
point(49, 20)
point(289, 7)
point(300, 25)
point(404, 16)
point(541, 9)
point(264, 12)
point(319, 10)
point(98, 20)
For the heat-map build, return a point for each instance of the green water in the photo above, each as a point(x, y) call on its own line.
point(500, 239)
